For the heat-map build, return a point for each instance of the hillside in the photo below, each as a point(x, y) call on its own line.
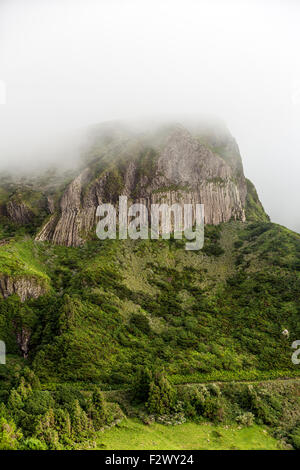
point(90, 313)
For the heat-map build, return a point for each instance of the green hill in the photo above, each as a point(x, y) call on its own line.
point(117, 304)
point(143, 320)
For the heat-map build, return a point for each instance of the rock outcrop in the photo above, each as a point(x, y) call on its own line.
point(23, 336)
point(175, 167)
point(18, 212)
point(24, 287)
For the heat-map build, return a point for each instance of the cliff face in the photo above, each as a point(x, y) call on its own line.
point(24, 287)
point(173, 166)
point(18, 212)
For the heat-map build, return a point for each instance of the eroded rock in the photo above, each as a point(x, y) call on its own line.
point(24, 287)
point(183, 170)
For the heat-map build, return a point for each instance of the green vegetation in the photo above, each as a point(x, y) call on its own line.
point(217, 314)
point(127, 327)
point(132, 434)
point(254, 208)
point(36, 419)
point(142, 344)
point(21, 258)
point(215, 416)
point(146, 169)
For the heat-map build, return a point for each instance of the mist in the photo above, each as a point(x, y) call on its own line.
point(66, 65)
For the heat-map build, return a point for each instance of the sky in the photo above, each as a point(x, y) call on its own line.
point(68, 64)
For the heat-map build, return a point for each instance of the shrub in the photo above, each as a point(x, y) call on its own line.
point(295, 436)
point(245, 419)
point(32, 443)
point(9, 435)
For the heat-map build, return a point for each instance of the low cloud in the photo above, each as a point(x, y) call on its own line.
point(66, 65)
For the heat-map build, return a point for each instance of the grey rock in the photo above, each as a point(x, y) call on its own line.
point(24, 287)
point(184, 170)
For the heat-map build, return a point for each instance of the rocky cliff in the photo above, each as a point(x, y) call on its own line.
point(24, 287)
point(171, 165)
point(19, 212)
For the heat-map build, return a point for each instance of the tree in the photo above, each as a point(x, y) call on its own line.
point(63, 422)
point(162, 396)
point(99, 410)
point(141, 384)
point(9, 435)
point(46, 430)
point(15, 401)
point(31, 379)
point(79, 420)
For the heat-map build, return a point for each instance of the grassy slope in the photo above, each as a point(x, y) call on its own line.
point(216, 314)
point(132, 434)
point(204, 316)
point(21, 259)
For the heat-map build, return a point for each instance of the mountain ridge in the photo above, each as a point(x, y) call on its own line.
point(177, 167)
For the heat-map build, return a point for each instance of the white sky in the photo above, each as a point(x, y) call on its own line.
point(66, 64)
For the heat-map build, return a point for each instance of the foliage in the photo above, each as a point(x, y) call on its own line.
point(35, 419)
point(162, 396)
point(202, 315)
point(9, 435)
point(295, 437)
point(115, 312)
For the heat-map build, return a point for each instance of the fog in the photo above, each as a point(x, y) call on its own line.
point(66, 65)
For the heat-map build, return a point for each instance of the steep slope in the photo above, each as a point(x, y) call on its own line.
point(170, 166)
point(214, 314)
point(167, 164)
point(93, 310)
point(21, 272)
point(146, 321)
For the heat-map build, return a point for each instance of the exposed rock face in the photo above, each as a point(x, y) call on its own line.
point(50, 204)
point(207, 179)
point(24, 287)
point(23, 337)
point(176, 168)
point(19, 212)
point(65, 229)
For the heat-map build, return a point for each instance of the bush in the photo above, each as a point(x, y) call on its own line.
point(212, 409)
point(32, 444)
point(245, 419)
point(295, 436)
point(9, 435)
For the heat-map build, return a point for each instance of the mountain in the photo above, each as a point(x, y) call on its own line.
point(169, 165)
point(84, 311)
